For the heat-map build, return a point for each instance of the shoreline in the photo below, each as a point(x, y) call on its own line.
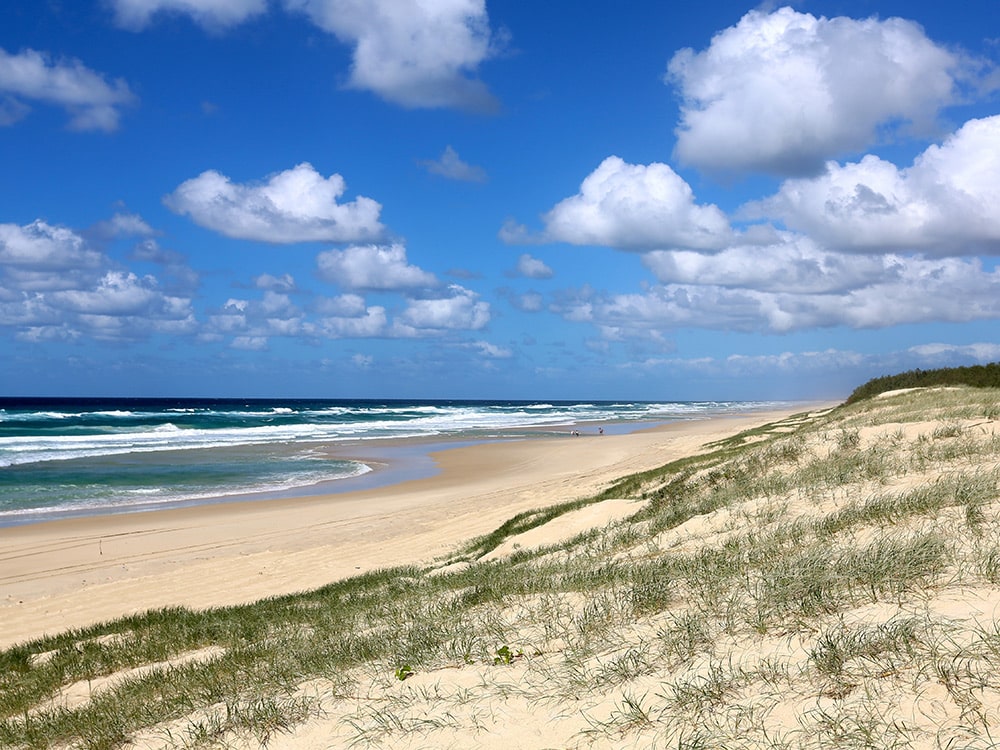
point(68, 573)
point(387, 461)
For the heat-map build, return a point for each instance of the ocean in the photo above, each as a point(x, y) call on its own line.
point(64, 457)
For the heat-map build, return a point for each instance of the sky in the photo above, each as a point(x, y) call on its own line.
point(495, 199)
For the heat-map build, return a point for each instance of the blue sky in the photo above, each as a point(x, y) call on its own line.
point(470, 199)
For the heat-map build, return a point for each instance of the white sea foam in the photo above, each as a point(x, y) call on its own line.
point(369, 422)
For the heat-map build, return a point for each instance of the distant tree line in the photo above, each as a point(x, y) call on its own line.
point(976, 376)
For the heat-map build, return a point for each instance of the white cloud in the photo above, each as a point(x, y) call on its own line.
point(344, 305)
point(782, 92)
point(632, 207)
point(212, 14)
point(451, 166)
point(461, 310)
point(297, 205)
point(533, 268)
point(252, 323)
point(413, 53)
point(91, 101)
point(230, 320)
point(41, 334)
point(376, 267)
point(945, 203)
point(793, 264)
point(119, 305)
point(274, 303)
point(909, 290)
point(250, 343)
point(53, 286)
point(42, 247)
point(119, 293)
point(371, 323)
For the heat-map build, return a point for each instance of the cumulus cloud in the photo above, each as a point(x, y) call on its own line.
point(371, 323)
point(372, 267)
point(117, 293)
point(459, 309)
point(118, 305)
point(42, 247)
point(945, 203)
point(631, 207)
point(907, 290)
point(793, 264)
point(783, 92)
point(451, 166)
point(415, 54)
point(251, 323)
point(212, 14)
point(53, 286)
point(297, 205)
point(344, 305)
point(533, 268)
point(92, 102)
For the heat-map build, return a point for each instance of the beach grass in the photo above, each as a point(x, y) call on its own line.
point(827, 580)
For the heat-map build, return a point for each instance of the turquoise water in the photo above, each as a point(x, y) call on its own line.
point(63, 457)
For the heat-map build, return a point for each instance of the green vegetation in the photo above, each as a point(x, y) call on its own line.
point(976, 376)
point(791, 587)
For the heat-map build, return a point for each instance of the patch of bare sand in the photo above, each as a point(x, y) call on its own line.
point(567, 526)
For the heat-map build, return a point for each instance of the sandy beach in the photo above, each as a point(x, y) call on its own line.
point(71, 573)
point(831, 579)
